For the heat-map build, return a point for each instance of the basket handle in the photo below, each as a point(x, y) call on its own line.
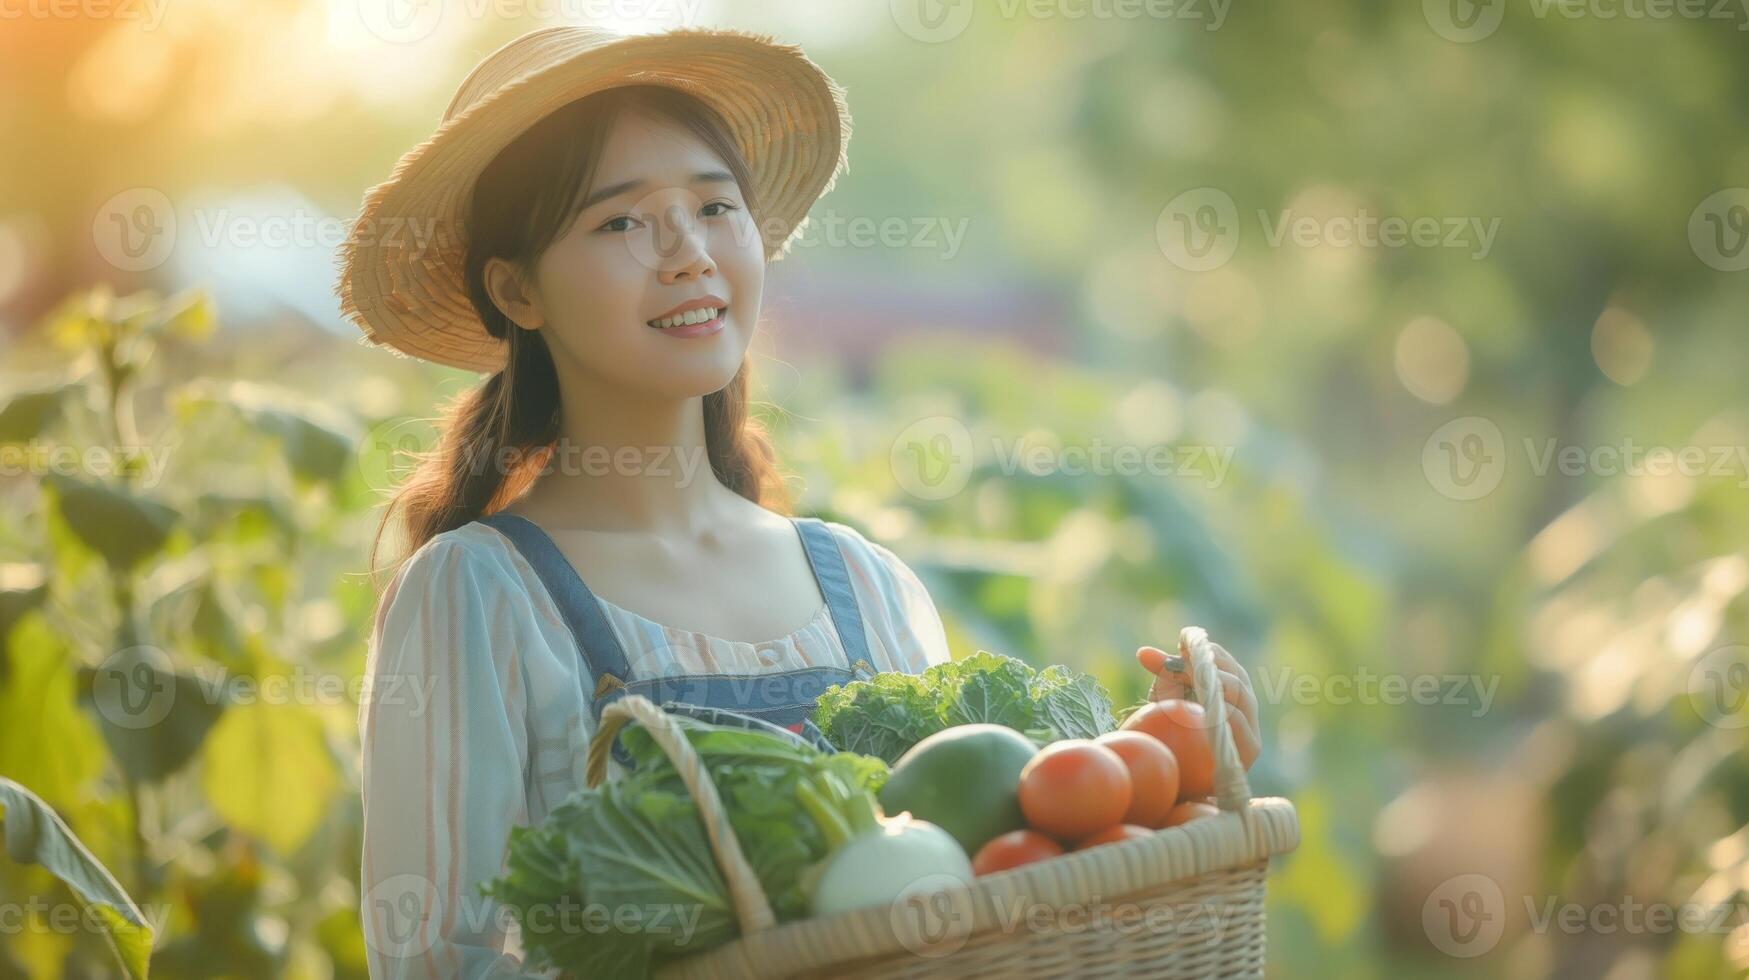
point(1232, 789)
point(752, 908)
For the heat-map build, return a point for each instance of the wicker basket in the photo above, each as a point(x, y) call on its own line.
point(1186, 902)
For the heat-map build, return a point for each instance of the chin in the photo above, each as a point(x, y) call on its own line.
point(691, 377)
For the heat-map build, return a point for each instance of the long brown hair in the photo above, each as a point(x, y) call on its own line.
point(495, 438)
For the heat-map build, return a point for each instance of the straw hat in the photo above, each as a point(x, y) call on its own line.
point(401, 265)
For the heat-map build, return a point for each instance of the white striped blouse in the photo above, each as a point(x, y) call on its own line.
point(475, 721)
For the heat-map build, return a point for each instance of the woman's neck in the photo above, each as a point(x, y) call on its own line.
point(624, 465)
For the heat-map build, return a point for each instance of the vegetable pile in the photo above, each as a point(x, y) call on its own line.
point(889, 713)
point(983, 764)
point(1009, 802)
point(638, 844)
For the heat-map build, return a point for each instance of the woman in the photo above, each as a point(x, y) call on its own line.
point(599, 213)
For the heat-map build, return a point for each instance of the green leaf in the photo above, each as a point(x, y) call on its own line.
point(123, 527)
point(1072, 703)
point(318, 444)
point(269, 773)
point(985, 687)
point(44, 739)
point(886, 714)
point(638, 843)
point(246, 516)
point(23, 589)
point(29, 413)
point(153, 717)
point(83, 320)
point(35, 834)
point(188, 315)
point(216, 631)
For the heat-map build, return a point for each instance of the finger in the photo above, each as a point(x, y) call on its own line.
point(1242, 719)
point(1239, 695)
point(1230, 662)
point(1152, 659)
point(1167, 687)
point(1245, 738)
point(1233, 690)
point(1240, 702)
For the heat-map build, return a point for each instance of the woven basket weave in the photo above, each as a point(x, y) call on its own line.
point(1185, 902)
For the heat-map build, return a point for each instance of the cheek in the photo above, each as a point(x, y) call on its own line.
point(589, 289)
point(742, 267)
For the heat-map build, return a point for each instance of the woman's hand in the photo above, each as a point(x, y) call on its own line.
point(1235, 687)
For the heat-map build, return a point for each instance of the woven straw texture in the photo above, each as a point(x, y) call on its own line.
point(401, 265)
point(1185, 902)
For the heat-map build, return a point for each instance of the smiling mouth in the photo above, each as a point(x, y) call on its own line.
point(689, 319)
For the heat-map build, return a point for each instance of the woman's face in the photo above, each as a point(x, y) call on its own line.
point(664, 225)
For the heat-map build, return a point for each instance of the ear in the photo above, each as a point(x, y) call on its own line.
point(514, 298)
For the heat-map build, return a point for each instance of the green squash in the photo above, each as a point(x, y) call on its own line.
point(964, 779)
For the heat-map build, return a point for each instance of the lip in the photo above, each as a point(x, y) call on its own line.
point(704, 329)
point(707, 300)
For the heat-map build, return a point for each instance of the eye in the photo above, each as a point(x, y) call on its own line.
point(612, 224)
point(608, 225)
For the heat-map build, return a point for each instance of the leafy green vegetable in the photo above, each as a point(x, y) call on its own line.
point(621, 877)
point(890, 712)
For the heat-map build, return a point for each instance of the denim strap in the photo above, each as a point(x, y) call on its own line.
point(784, 698)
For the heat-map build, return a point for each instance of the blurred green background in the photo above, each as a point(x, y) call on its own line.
point(1418, 332)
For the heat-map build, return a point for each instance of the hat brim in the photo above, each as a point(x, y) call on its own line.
point(401, 264)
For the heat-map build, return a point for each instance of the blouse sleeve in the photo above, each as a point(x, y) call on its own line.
point(444, 753)
point(919, 639)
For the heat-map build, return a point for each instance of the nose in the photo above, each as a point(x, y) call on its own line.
point(680, 247)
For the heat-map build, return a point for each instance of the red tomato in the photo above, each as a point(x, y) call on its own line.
point(1153, 775)
point(1013, 849)
point(1074, 788)
point(1186, 812)
point(1111, 835)
point(1182, 726)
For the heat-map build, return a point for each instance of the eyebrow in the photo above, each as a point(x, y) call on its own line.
point(615, 190)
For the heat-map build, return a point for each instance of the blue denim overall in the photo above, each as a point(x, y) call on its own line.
point(781, 702)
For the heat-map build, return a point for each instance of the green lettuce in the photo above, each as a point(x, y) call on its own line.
point(888, 713)
point(636, 848)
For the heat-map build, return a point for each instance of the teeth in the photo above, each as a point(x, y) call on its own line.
point(696, 316)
